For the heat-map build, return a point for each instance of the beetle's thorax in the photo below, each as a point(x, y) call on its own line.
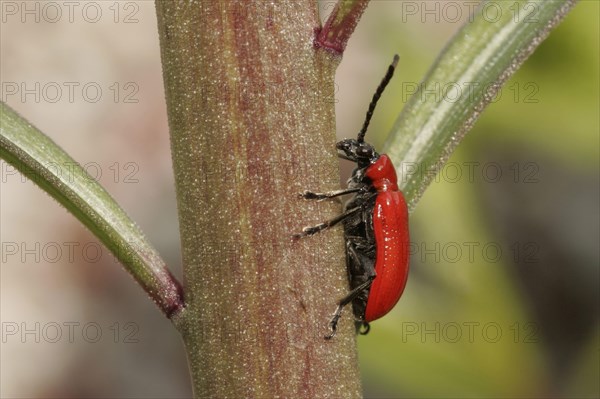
point(382, 174)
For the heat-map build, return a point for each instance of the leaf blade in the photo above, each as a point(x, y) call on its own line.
point(479, 59)
point(40, 159)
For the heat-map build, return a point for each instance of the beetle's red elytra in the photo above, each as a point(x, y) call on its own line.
point(390, 225)
point(375, 227)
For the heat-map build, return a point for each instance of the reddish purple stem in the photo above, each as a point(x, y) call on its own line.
point(334, 35)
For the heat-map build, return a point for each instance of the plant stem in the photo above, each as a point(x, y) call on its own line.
point(341, 23)
point(251, 106)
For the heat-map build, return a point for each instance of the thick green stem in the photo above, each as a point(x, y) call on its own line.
point(251, 116)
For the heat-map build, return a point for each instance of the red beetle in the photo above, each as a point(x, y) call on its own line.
point(375, 227)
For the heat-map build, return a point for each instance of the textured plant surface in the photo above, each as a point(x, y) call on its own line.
point(255, 313)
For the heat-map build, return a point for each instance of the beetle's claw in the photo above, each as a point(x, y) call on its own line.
point(307, 195)
point(334, 321)
point(307, 231)
point(366, 326)
point(297, 236)
point(332, 328)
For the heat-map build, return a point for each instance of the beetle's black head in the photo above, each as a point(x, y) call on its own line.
point(360, 152)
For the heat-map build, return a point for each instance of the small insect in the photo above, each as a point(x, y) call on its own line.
point(375, 223)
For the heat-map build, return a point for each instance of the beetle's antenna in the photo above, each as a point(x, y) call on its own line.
point(386, 79)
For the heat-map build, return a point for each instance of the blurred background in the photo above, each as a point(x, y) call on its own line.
point(504, 293)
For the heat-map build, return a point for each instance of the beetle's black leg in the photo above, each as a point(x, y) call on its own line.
point(309, 195)
point(309, 231)
point(360, 259)
point(343, 302)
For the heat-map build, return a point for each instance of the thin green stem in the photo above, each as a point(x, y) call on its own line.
point(41, 160)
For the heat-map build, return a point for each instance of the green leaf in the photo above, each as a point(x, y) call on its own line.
point(464, 80)
point(41, 160)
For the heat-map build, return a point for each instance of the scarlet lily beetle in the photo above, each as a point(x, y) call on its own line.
point(375, 227)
